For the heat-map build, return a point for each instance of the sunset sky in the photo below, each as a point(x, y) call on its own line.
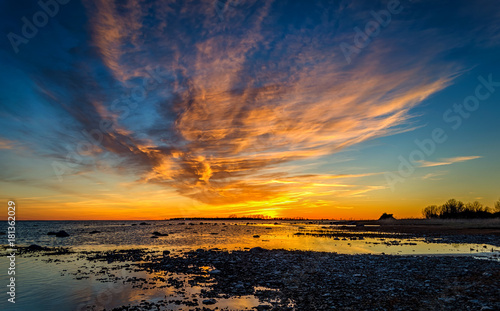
point(158, 109)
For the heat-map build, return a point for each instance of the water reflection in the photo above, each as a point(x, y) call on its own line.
point(71, 282)
point(235, 235)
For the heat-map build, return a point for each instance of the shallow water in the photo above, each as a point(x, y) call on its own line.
point(234, 235)
point(67, 282)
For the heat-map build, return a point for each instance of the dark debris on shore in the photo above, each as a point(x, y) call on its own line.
point(37, 250)
point(298, 280)
point(305, 280)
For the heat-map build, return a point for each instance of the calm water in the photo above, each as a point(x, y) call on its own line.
point(187, 235)
point(72, 283)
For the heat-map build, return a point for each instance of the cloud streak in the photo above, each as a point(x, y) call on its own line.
point(244, 98)
point(239, 107)
point(6, 144)
point(448, 161)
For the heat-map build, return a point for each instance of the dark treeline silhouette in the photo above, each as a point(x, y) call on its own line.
point(233, 217)
point(454, 209)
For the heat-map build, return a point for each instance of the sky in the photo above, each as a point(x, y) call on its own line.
point(318, 109)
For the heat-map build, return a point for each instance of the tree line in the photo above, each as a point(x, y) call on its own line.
point(454, 209)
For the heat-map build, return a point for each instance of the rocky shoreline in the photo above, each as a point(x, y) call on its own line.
point(275, 279)
point(302, 280)
point(296, 280)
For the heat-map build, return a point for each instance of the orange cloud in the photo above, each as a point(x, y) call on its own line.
point(6, 144)
point(236, 116)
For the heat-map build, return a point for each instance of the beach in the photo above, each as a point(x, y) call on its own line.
point(266, 277)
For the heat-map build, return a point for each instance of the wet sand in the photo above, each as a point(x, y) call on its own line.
point(480, 231)
point(436, 227)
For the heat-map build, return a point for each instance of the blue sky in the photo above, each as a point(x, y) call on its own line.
point(249, 107)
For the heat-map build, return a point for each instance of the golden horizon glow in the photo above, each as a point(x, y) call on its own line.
point(155, 110)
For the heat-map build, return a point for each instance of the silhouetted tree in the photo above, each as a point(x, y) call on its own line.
point(431, 211)
point(451, 207)
point(457, 209)
point(497, 206)
point(475, 207)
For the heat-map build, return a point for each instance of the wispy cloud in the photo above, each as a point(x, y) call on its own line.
point(6, 144)
point(434, 176)
point(246, 97)
point(448, 161)
point(232, 113)
point(344, 207)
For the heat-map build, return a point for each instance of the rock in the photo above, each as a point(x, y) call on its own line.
point(154, 237)
point(166, 253)
point(35, 248)
point(144, 224)
point(160, 234)
point(257, 250)
point(94, 232)
point(61, 234)
point(210, 301)
point(386, 216)
point(51, 233)
point(256, 236)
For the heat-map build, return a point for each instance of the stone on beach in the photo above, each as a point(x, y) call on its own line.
point(257, 250)
point(210, 301)
point(160, 234)
point(34, 247)
point(59, 234)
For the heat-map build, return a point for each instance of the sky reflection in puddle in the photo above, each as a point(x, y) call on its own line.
point(72, 283)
